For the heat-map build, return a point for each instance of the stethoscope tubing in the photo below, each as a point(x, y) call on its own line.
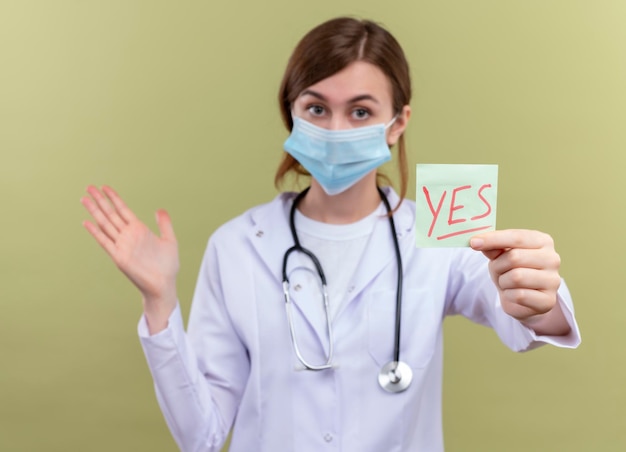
point(396, 345)
point(395, 376)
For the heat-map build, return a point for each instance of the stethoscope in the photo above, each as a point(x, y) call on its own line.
point(395, 376)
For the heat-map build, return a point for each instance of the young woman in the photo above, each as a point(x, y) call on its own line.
point(316, 323)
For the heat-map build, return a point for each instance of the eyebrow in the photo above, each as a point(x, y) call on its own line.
point(351, 101)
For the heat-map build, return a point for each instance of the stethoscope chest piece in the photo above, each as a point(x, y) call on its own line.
point(395, 376)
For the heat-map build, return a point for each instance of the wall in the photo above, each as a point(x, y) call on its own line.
point(174, 104)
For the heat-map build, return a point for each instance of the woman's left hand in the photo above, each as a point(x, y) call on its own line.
point(525, 268)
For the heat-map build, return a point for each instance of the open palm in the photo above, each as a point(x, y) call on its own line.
point(148, 260)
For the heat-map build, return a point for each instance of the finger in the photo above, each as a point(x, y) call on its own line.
point(529, 278)
point(102, 220)
point(106, 207)
point(525, 258)
point(493, 254)
point(510, 238)
point(103, 240)
point(522, 303)
point(125, 213)
point(164, 222)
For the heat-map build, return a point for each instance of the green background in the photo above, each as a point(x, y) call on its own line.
point(174, 104)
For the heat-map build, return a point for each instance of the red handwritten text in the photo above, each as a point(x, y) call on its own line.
point(454, 207)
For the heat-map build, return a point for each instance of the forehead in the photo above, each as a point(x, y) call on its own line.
point(356, 79)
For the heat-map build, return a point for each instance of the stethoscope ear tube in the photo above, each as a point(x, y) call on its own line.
point(294, 339)
point(297, 247)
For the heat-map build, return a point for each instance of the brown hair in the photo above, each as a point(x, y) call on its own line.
point(326, 50)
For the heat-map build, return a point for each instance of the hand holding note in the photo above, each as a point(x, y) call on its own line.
point(453, 203)
point(525, 268)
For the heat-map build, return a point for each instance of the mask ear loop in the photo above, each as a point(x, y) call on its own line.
point(293, 117)
point(390, 123)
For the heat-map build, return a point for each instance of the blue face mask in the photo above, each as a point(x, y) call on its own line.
point(338, 159)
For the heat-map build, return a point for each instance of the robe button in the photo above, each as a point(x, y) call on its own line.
point(259, 233)
point(328, 437)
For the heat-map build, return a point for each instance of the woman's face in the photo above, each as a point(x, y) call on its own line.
point(359, 95)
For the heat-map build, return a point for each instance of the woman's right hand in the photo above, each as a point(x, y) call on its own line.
point(149, 261)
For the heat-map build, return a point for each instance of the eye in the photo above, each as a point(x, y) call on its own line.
point(360, 113)
point(315, 110)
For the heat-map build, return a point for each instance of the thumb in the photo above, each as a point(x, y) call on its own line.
point(164, 222)
point(478, 244)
